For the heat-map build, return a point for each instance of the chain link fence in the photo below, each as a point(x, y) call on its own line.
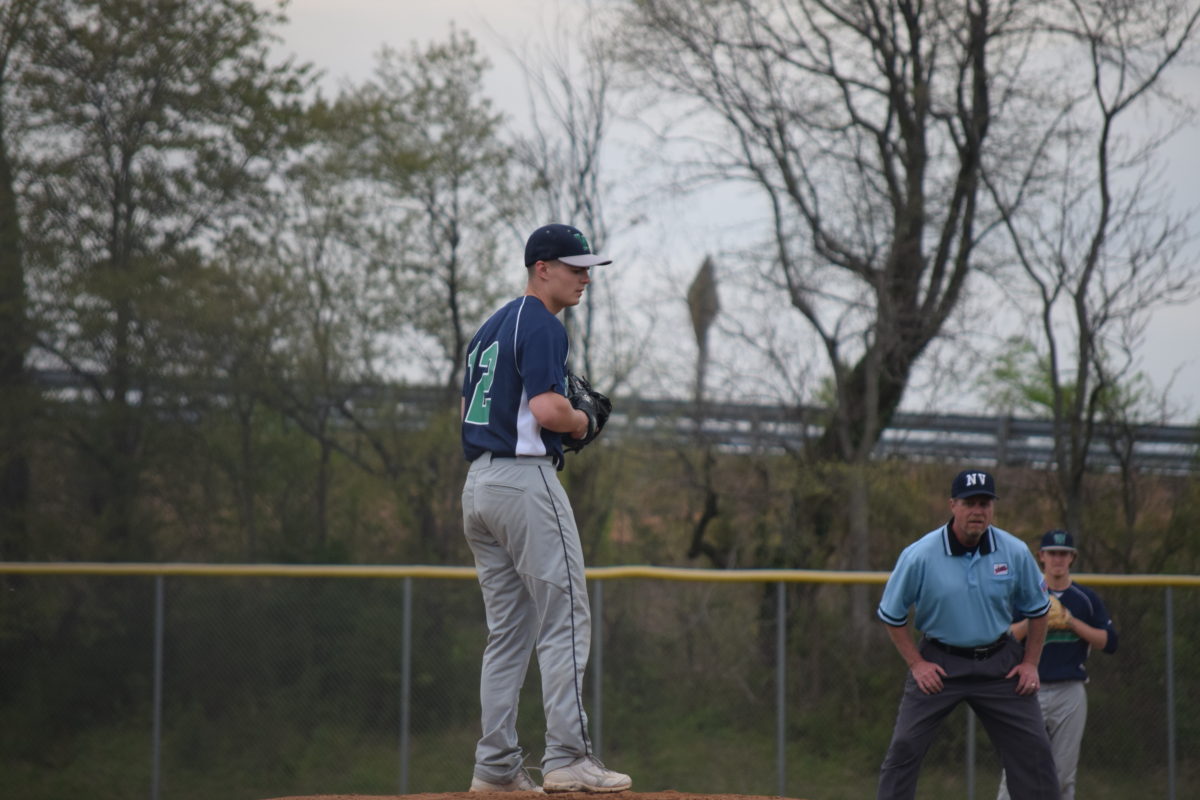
point(201, 681)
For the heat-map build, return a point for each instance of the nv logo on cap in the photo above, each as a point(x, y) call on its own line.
point(971, 482)
point(583, 242)
point(1060, 537)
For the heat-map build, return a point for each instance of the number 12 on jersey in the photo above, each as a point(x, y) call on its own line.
point(481, 405)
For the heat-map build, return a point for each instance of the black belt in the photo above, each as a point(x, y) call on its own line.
point(977, 653)
point(555, 459)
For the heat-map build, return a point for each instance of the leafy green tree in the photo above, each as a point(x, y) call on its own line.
point(157, 122)
point(425, 145)
point(1024, 381)
point(338, 303)
point(383, 242)
point(250, 460)
point(333, 333)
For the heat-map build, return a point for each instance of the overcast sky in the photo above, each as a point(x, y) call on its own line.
point(342, 37)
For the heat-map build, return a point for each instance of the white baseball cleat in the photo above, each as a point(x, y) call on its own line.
point(585, 775)
point(521, 782)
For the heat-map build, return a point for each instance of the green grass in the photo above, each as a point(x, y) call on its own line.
point(108, 764)
point(114, 764)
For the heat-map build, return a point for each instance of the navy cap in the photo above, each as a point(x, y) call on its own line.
point(1058, 540)
point(971, 482)
point(557, 242)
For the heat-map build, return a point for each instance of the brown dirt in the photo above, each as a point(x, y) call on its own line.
point(671, 795)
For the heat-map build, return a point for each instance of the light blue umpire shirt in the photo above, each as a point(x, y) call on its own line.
point(964, 598)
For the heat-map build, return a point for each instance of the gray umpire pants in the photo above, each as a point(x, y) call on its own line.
point(1013, 723)
point(1064, 709)
point(521, 530)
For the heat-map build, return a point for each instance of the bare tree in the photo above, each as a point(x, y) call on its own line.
point(427, 146)
point(867, 128)
point(17, 18)
point(564, 150)
point(862, 125)
point(564, 154)
point(1096, 241)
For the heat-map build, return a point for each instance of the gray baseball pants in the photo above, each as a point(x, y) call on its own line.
point(521, 530)
point(1064, 708)
point(1013, 723)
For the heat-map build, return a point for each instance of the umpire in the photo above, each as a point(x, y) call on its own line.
point(964, 580)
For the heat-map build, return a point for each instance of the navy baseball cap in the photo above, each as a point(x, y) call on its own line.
point(557, 242)
point(1058, 540)
point(972, 482)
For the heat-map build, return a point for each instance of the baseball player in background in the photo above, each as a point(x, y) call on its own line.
point(1078, 622)
point(964, 579)
point(520, 407)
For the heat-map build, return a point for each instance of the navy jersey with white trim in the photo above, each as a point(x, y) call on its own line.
point(1064, 655)
point(519, 353)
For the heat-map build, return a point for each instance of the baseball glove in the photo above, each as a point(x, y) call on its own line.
point(597, 407)
point(1058, 619)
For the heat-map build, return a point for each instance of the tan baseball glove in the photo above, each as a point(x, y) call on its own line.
point(1059, 619)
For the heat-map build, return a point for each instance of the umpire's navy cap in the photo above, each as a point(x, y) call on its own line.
point(972, 482)
point(557, 242)
point(1058, 540)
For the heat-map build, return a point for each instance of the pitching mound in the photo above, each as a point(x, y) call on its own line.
point(527, 796)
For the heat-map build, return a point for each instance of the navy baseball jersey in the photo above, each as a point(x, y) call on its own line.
point(963, 597)
point(519, 353)
point(1064, 655)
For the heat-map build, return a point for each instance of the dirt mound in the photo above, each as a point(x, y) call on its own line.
point(526, 796)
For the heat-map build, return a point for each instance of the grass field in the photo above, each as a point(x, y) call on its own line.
point(114, 764)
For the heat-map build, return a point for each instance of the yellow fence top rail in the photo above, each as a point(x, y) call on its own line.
point(462, 572)
point(235, 570)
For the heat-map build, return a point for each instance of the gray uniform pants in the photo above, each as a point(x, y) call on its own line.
point(521, 530)
point(1064, 708)
point(1013, 723)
